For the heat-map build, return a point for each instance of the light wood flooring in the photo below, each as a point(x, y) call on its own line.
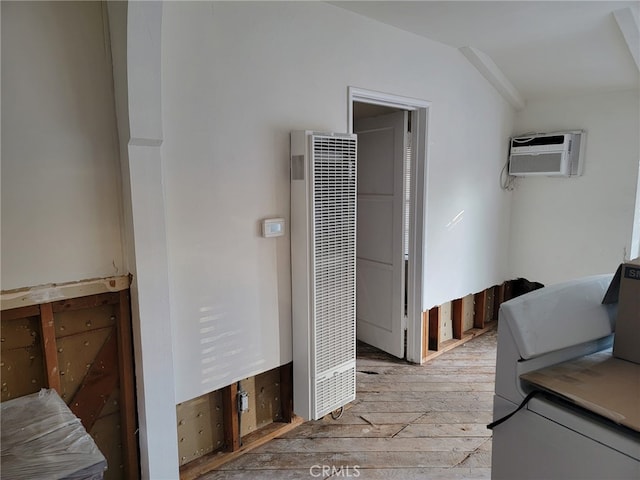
point(407, 422)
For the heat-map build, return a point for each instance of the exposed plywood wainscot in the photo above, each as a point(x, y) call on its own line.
point(212, 430)
point(81, 347)
point(200, 426)
point(453, 323)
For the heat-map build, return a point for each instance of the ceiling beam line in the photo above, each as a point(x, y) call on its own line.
point(628, 25)
point(494, 75)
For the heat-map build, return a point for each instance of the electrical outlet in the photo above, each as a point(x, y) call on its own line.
point(243, 401)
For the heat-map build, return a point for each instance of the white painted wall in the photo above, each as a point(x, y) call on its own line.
point(236, 79)
point(61, 204)
point(565, 228)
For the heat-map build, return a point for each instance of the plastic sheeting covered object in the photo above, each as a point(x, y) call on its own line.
point(43, 439)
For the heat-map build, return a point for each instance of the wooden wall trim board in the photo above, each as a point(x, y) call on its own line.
point(90, 301)
point(23, 297)
point(21, 312)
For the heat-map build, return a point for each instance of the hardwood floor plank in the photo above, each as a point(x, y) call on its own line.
point(426, 473)
point(364, 430)
point(369, 460)
point(374, 418)
point(408, 422)
point(413, 396)
point(368, 474)
point(478, 459)
point(372, 386)
point(445, 430)
point(427, 405)
point(433, 378)
point(484, 417)
point(459, 444)
point(432, 370)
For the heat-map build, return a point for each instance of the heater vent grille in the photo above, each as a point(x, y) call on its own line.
point(336, 390)
point(334, 216)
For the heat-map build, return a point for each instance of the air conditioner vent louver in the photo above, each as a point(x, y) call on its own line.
point(551, 154)
point(323, 226)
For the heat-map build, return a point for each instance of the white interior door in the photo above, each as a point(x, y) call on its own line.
point(380, 256)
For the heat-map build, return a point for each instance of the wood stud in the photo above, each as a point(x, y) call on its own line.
point(434, 328)
point(457, 308)
point(127, 386)
point(49, 347)
point(425, 333)
point(231, 425)
point(286, 392)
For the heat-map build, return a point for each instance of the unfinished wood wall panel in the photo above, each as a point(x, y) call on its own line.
point(76, 354)
point(446, 325)
point(22, 362)
point(72, 322)
point(74, 345)
point(467, 317)
point(106, 433)
point(200, 426)
point(98, 384)
point(264, 401)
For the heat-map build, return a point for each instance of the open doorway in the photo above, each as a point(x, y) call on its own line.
point(390, 255)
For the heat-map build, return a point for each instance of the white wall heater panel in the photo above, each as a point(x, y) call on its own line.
point(323, 256)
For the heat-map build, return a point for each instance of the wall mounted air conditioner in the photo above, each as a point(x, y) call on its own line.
point(551, 154)
point(323, 266)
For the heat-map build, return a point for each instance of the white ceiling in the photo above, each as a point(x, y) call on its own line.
point(544, 48)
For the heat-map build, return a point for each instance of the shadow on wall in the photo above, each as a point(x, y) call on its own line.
point(520, 286)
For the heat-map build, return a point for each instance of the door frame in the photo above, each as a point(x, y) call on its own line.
point(417, 214)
